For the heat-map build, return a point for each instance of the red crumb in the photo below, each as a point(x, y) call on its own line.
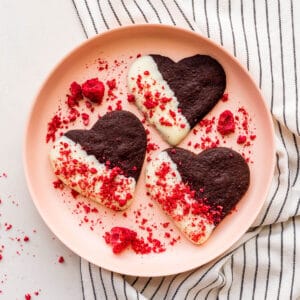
point(119, 105)
point(26, 238)
point(93, 89)
point(53, 126)
point(151, 147)
point(139, 246)
point(225, 97)
point(102, 64)
point(27, 297)
point(8, 226)
point(1, 256)
point(146, 73)
point(111, 84)
point(85, 119)
point(76, 95)
point(74, 194)
point(207, 124)
point(165, 225)
point(164, 122)
point(226, 123)
point(130, 98)
point(58, 184)
point(75, 90)
point(241, 139)
point(61, 259)
point(252, 137)
point(119, 238)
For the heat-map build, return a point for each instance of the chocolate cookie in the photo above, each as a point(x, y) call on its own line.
point(103, 163)
point(175, 96)
point(197, 191)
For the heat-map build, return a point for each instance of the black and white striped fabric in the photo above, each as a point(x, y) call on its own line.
point(265, 37)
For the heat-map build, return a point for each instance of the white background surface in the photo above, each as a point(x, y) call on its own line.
point(34, 36)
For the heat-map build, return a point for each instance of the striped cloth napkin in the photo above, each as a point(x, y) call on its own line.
point(264, 36)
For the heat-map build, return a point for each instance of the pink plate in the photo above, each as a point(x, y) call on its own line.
point(81, 230)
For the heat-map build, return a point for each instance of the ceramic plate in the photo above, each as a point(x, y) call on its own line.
point(107, 57)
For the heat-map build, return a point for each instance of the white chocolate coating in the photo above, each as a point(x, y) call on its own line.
point(83, 173)
point(155, 84)
point(195, 227)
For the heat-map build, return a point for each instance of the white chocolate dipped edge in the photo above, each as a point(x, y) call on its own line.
point(67, 158)
point(195, 227)
point(154, 83)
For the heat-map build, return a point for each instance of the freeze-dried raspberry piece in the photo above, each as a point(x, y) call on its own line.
point(93, 89)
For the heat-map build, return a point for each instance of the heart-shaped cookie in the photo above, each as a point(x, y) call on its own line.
point(197, 191)
point(103, 163)
point(175, 96)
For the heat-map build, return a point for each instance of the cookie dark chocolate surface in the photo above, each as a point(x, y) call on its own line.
point(220, 174)
point(118, 137)
point(198, 83)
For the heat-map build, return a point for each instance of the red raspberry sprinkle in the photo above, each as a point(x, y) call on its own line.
point(53, 126)
point(111, 84)
point(130, 98)
point(61, 259)
point(165, 122)
point(241, 139)
point(225, 97)
point(74, 194)
point(119, 238)
point(8, 226)
point(27, 297)
point(26, 238)
point(85, 119)
point(93, 89)
point(151, 147)
point(226, 123)
point(71, 102)
point(75, 90)
point(58, 184)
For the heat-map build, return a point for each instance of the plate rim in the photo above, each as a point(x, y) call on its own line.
point(69, 54)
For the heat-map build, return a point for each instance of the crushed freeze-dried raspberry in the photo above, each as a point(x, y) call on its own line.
point(130, 98)
point(241, 139)
point(151, 147)
point(61, 259)
point(225, 97)
point(226, 123)
point(8, 226)
point(26, 239)
point(58, 184)
point(93, 89)
point(85, 119)
point(111, 84)
point(75, 90)
point(119, 238)
point(27, 297)
point(164, 122)
point(74, 194)
point(53, 126)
